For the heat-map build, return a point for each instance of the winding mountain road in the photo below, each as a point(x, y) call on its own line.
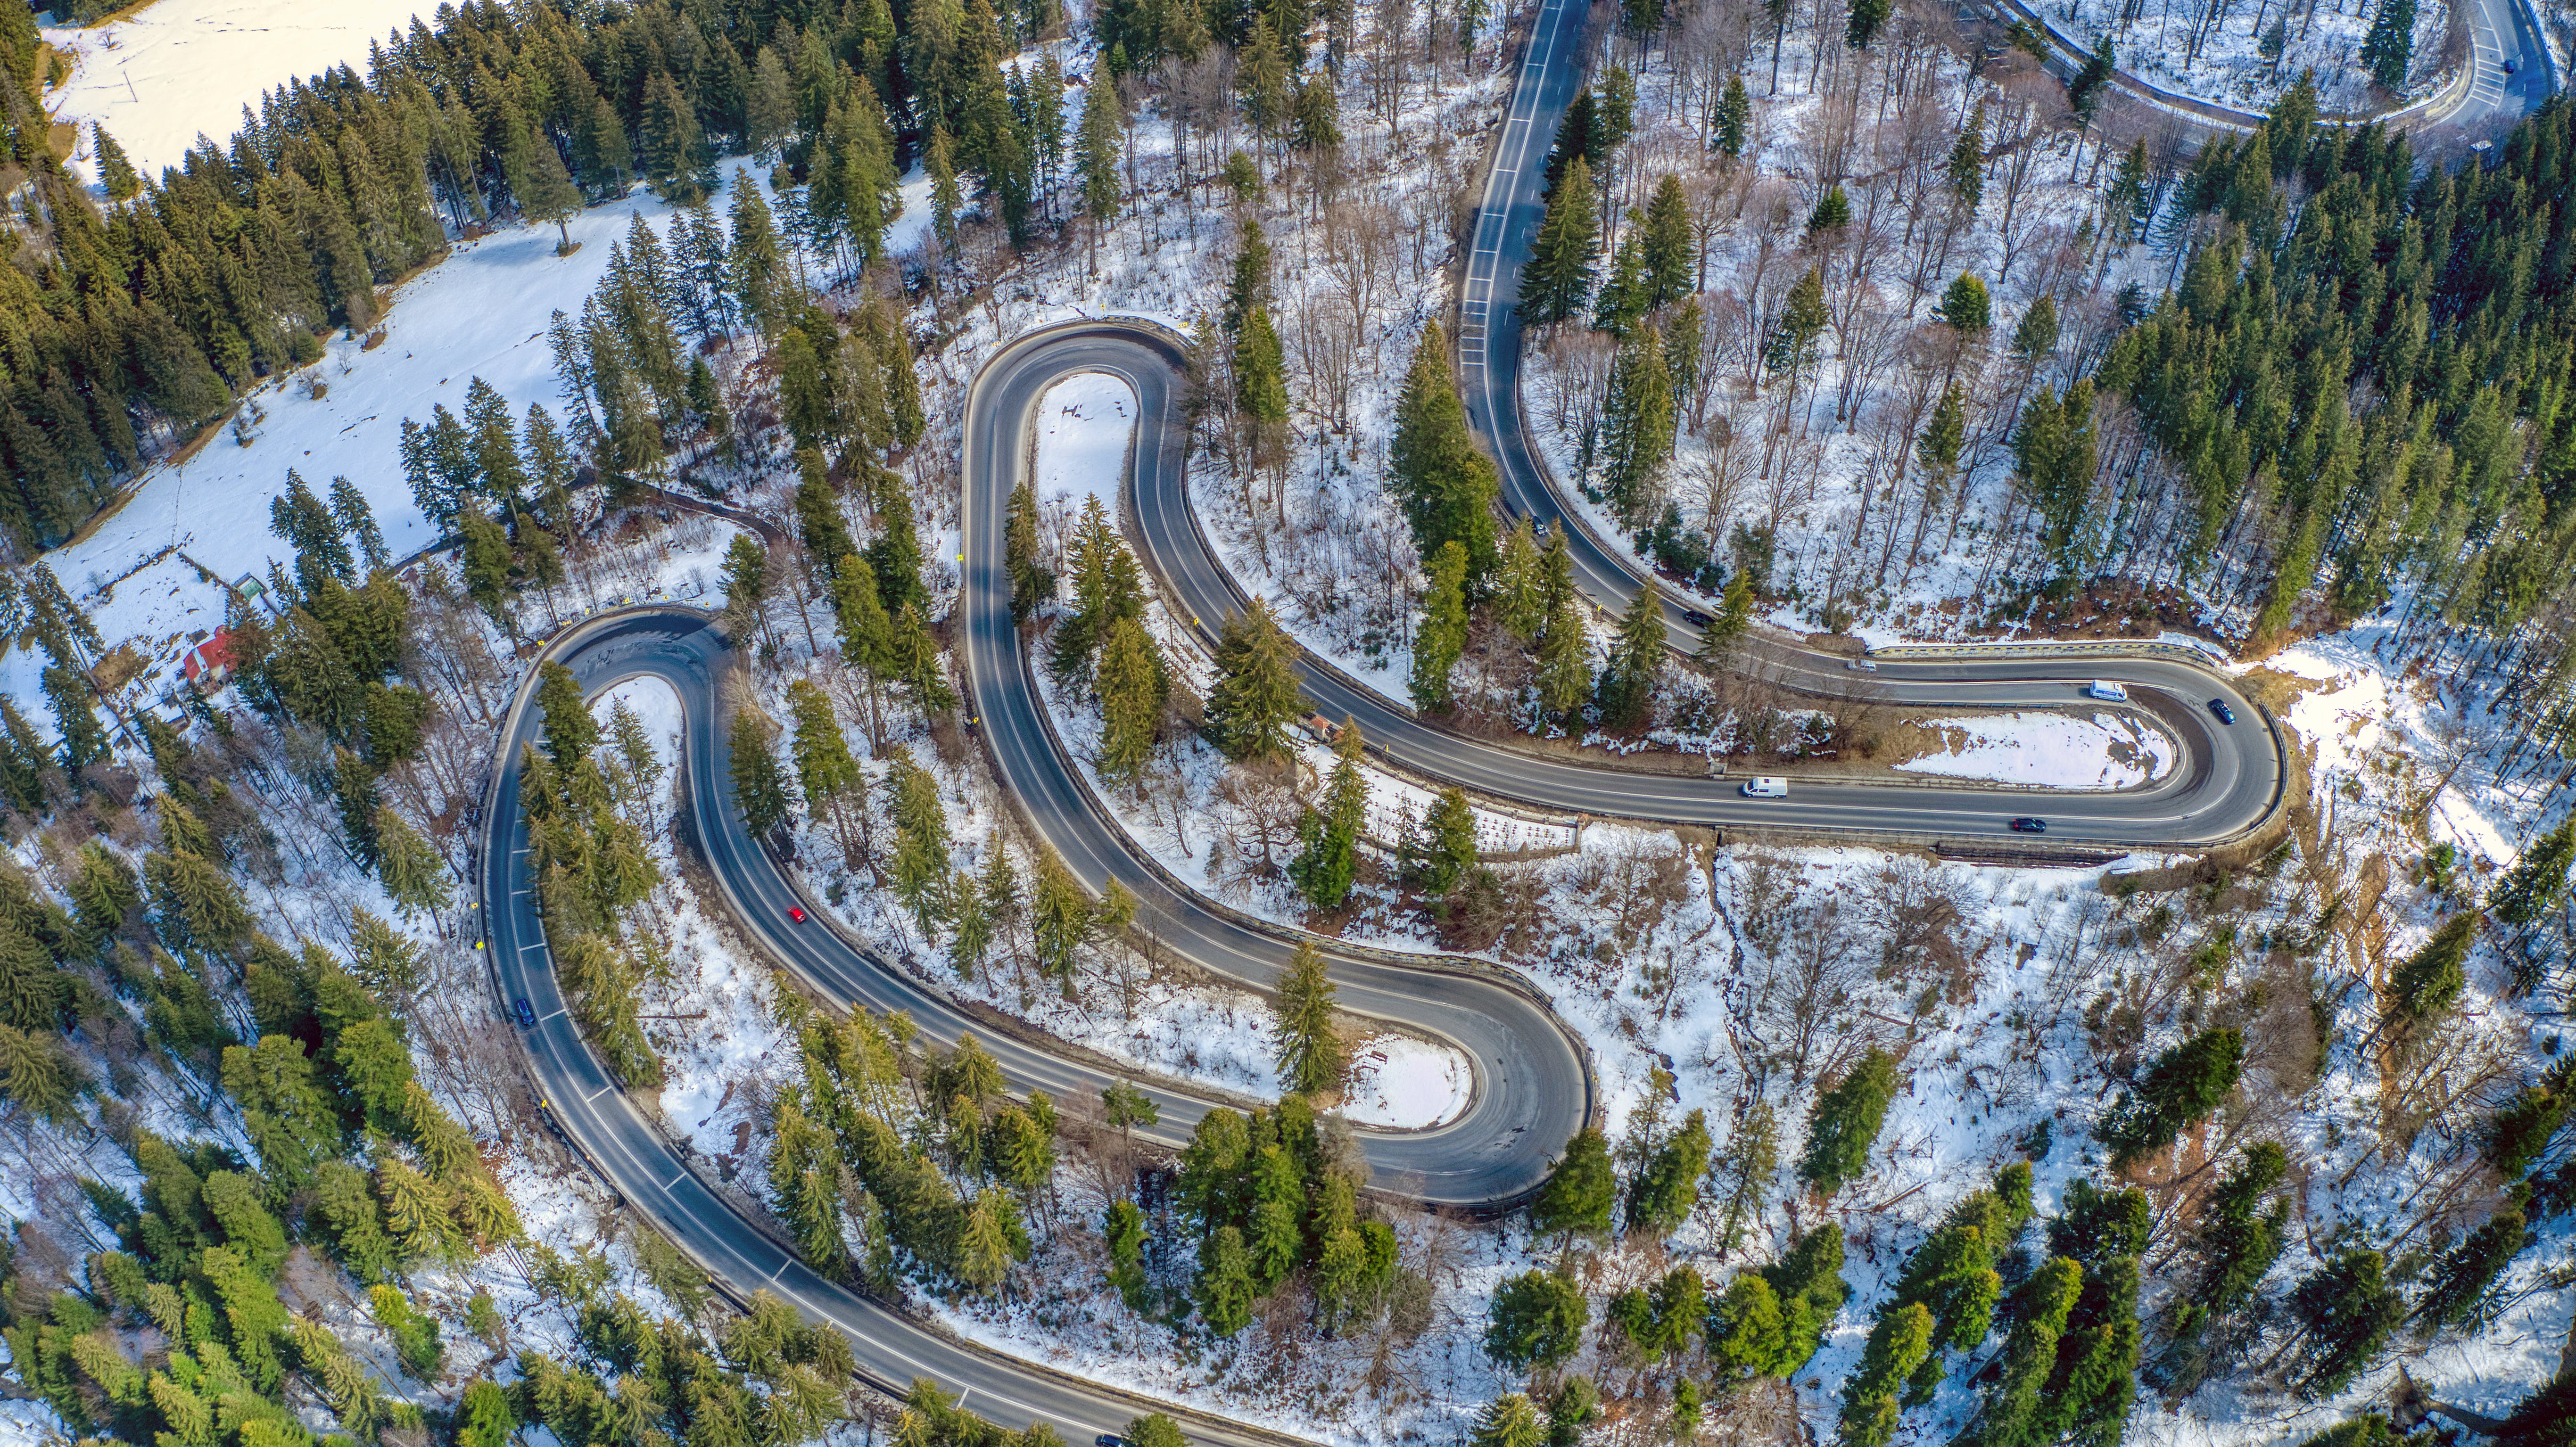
point(1534, 1085)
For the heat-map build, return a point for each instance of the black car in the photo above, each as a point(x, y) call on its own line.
point(1696, 618)
point(524, 1013)
point(2224, 714)
point(2030, 826)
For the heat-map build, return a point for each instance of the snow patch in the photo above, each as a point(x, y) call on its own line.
point(187, 67)
point(1084, 424)
point(2099, 751)
point(1402, 1082)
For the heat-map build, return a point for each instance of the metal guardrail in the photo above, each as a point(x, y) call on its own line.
point(2072, 56)
point(2038, 648)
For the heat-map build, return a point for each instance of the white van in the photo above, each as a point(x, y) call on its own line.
point(2108, 692)
point(1766, 786)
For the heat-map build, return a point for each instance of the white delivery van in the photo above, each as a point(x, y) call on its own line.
point(1766, 786)
point(2108, 692)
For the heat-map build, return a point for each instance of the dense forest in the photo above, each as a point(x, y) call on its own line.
point(124, 331)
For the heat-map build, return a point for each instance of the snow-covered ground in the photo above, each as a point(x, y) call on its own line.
point(2179, 46)
point(2049, 750)
point(181, 68)
point(210, 511)
point(1084, 425)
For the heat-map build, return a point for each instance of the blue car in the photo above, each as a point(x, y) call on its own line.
point(525, 1013)
point(2219, 708)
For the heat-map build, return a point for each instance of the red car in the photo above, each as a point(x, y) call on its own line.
point(796, 912)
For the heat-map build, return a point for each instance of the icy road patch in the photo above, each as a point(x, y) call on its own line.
point(2055, 750)
point(1084, 423)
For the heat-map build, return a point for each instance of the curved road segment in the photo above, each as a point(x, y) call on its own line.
point(1534, 1085)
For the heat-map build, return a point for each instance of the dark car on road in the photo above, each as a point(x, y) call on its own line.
point(1696, 618)
point(2030, 826)
point(524, 1013)
point(2218, 707)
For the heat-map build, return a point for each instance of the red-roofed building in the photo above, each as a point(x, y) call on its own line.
point(209, 663)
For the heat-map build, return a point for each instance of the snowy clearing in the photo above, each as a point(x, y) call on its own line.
point(1084, 423)
point(143, 572)
point(1406, 1083)
point(183, 67)
point(2098, 751)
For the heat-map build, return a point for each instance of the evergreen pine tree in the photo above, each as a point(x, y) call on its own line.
point(1580, 1191)
point(1536, 1321)
point(2537, 881)
point(2389, 48)
point(2429, 983)
point(1791, 347)
point(1867, 17)
point(1327, 863)
point(1446, 486)
point(1448, 848)
point(1667, 1183)
point(1557, 280)
point(1846, 1123)
point(2039, 1314)
point(1255, 696)
point(1133, 685)
point(1507, 1421)
point(1734, 618)
point(1313, 1057)
point(1441, 640)
point(1637, 419)
point(2345, 1311)
point(920, 838)
point(2034, 338)
point(1897, 1345)
point(1734, 114)
point(759, 784)
point(84, 740)
point(1519, 579)
point(1097, 161)
point(1031, 584)
point(547, 193)
point(1965, 306)
point(1626, 690)
point(2467, 1272)
point(115, 173)
point(1967, 168)
point(2181, 1086)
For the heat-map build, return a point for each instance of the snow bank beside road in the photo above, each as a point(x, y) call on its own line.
point(185, 66)
point(2060, 751)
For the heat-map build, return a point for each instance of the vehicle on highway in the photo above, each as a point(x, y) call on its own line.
point(1696, 618)
point(1108, 1439)
point(2028, 825)
point(1862, 665)
point(2219, 707)
point(796, 912)
point(2108, 691)
point(2512, 63)
point(1766, 786)
point(524, 1013)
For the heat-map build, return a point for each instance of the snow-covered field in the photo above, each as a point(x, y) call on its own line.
point(181, 68)
point(1084, 424)
point(2048, 750)
point(211, 511)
